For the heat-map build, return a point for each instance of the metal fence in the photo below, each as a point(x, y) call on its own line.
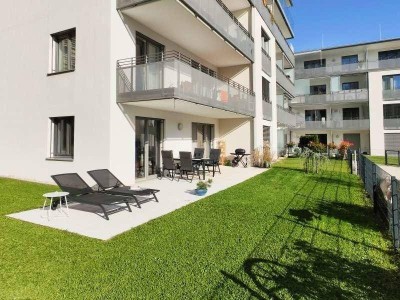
point(383, 190)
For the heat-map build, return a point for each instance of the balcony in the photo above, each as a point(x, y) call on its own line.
point(280, 39)
point(391, 95)
point(172, 81)
point(208, 20)
point(391, 123)
point(284, 81)
point(349, 96)
point(339, 69)
point(267, 110)
point(362, 124)
point(266, 62)
point(286, 118)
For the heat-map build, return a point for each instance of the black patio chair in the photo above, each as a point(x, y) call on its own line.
point(80, 192)
point(187, 166)
point(198, 154)
point(214, 161)
point(110, 184)
point(168, 163)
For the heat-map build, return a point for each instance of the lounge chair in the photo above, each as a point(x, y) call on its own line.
point(187, 166)
point(80, 192)
point(168, 163)
point(214, 161)
point(110, 184)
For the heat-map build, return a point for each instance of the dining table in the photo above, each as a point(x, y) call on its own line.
point(198, 161)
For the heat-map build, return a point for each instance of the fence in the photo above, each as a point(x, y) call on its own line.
point(383, 190)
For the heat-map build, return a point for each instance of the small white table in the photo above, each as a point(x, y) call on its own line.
point(55, 195)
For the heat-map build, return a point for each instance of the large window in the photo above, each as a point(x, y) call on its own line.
point(315, 115)
point(351, 113)
point(62, 137)
point(391, 82)
point(346, 86)
point(392, 54)
point(63, 51)
point(350, 59)
point(391, 111)
point(312, 64)
point(318, 89)
point(266, 134)
point(265, 89)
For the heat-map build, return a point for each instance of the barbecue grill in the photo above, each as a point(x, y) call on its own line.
point(240, 157)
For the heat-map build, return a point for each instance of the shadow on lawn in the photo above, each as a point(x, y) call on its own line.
point(313, 274)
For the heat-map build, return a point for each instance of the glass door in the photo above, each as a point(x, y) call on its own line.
point(148, 142)
point(202, 137)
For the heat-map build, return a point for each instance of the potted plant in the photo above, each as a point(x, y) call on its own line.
point(202, 187)
point(331, 146)
point(343, 147)
point(290, 146)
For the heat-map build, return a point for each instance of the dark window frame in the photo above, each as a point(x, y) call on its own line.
point(351, 113)
point(63, 43)
point(314, 64)
point(319, 89)
point(390, 54)
point(353, 85)
point(350, 59)
point(315, 115)
point(389, 82)
point(62, 137)
point(266, 89)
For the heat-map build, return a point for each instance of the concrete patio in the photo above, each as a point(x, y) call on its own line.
point(88, 220)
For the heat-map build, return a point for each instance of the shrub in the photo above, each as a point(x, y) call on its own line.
point(313, 161)
point(332, 146)
point(305, 140)
point(317, 147)
point(262, 157)
point(204, 185)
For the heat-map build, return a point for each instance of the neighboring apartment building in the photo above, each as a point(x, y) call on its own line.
point(109, 84)
point(350, 93)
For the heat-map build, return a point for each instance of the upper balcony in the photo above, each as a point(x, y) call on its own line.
point(266, 63)
point(350, 96)
point(174, 82)
point(390, 95)
point(267, 110)
point(285, 82)
point(265, 13)
point(361, 124)
point(342, 69)
point(206, 28)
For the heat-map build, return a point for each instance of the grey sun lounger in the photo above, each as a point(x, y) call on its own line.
point(110, 184)
point(80, 192)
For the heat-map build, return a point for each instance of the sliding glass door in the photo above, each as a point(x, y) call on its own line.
point(202, 137)
point(148, 142)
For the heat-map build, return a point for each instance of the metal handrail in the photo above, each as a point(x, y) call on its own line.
point(283, 72)
point(335, 92)
point(226, 9)
point(171, 55)
point(265, 52)
point(288, 110)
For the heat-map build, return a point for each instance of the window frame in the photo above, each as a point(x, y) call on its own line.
point(356, 83)
point(320, 89)
point(314, 64)
point(350, 113)
point(350, 57)
point(56, 39)
point(62, 138)
point(391, 82)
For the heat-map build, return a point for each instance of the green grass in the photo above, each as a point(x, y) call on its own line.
point(281, 235)
point(380, 160)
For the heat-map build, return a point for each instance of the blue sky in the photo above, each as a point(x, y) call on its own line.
point(343, 22)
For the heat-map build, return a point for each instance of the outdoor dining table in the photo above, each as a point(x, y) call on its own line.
point(203, 162)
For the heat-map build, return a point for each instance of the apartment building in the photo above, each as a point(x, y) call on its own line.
point(109, 84)
point(350, 93)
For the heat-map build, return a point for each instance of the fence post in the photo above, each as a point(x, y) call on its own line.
point(386, 157)
point(395, 213)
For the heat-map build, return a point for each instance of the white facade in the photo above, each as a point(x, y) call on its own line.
point(340, 95)
point(105, 133)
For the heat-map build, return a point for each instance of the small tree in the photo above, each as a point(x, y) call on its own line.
point(313, 161)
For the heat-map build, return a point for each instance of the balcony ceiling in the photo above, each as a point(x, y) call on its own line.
point(173, 21)
point(186, 107)
point(234, 5)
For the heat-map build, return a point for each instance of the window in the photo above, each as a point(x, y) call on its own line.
point(315, 115)
point(266, 134)
point(264, 42)
point(312, 64)
point(63, 51)
point(62, 137)
point(318, 89)
point(346, 86)
point(265, 89)
point(391, 82)
point(351, 113)
point(392, 54)
point(350, 59)
point(391, 111)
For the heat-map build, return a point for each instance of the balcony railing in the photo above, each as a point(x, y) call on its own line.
point(284, 81)
point(391, 123)
point(267, 17)
point(286, 117)
point(266, 62)
point(338, 69)
point(215, 13)
point(360, 95)
point(172, 75)
point(362, 124)
point(267, 110)
point(391, 94)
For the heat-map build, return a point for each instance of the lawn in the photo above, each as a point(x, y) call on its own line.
point(380, 160)
point(280, 235)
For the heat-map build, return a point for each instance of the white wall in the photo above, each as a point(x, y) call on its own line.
point(30, 97)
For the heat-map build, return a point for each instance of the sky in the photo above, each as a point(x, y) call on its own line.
point(339, 22)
